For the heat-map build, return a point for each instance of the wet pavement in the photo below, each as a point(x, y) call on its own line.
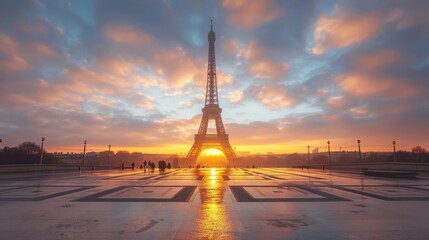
point(265, 203)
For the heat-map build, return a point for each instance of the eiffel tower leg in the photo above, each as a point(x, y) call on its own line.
point(229, 152)
point(194, 152)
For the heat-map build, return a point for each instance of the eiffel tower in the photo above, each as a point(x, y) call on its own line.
point(211, 111)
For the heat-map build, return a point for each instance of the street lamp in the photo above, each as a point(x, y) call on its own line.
point(308, 155)
point(394, 151)
point(360, 154)
point(84, 151)
point(329, 151)
point(41, 150)
point(108, 156)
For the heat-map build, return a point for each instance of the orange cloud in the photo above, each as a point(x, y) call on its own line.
point(231, 46)
point(115, 65)
point(365, 85)
point(344, 29)
point(17, 100)
point(378, 59)
point(224, 78)
point(18, 55)
point(177, 68)
point(252, 50)
point(12, 62)
point(269, 69)
point(142, 101)
point(43, 49)
point(360, 112)
point(126, 34)
point(337, 101)
point(261, 65)
point(235, 96)
point(247, 14)
point(275, 96)
point(405, 18)
point(7, 44)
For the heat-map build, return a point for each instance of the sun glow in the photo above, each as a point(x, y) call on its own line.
point(212, 152)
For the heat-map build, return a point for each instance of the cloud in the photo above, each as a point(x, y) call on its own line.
point(141, 101)
point(224, 78)
point(177, 68)
point(344, 28)
point(235, 96)
point(43, 49)
point(364, 85)
point(275, 96)
point(379, 59)
point(337, 102)
point(315, 129)
point(248, 14)
point(360, 111)
point(20, 56)
point(261, 65)
point(12, 61)
point(231, 46)
point(409, 15)
point(14, 64)
point(144, 81)
point(268, 69)
point(127, 34)
point(115, 65)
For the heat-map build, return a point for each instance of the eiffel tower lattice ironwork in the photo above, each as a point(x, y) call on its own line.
point(211, 111)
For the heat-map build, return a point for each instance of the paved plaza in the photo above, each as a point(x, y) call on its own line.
point(265, 203)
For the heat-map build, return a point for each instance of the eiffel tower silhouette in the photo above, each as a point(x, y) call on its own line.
point(211, 111)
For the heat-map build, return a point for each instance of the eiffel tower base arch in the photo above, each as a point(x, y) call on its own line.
point(207, 141)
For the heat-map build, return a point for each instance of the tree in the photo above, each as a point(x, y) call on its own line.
point(25, 153)
point(418, 150)
point(29, 148)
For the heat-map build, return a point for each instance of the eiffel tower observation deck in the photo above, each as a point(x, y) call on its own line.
point(211, 112)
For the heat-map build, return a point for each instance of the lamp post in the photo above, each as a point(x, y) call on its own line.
point(360, 154)
point(108, 156)
point(308, 155)
point(84, 151)
point(394, 151)
point(41, 150)
point(329, 151)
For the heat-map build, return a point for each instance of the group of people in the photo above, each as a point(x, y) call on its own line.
point(150, 166)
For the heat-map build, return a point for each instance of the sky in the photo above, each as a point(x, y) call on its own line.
point(290, 73)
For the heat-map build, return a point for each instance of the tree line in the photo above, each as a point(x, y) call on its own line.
point(25, 153)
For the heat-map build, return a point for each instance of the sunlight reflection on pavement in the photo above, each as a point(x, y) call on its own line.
point(213, 221)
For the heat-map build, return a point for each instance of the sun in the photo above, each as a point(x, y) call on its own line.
point(212, 152)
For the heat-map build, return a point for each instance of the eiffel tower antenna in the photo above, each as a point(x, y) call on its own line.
point(211, 111)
